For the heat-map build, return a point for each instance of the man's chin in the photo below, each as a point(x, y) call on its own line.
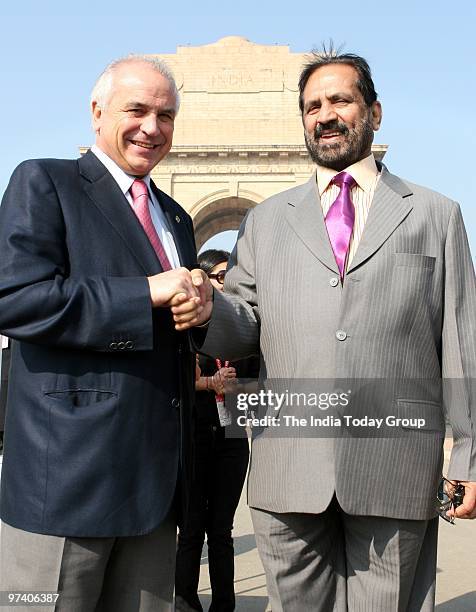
point(331, 157)
point(141, 167)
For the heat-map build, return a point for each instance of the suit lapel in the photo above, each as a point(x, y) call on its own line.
point(176, 224)
point(389, 208)
point(109, 199)
point(307, 220)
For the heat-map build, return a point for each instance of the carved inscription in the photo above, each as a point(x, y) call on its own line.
point(231, 80)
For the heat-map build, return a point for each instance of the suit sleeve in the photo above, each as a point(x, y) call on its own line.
point(40, 301)
point(459, 349)
point(234, 325)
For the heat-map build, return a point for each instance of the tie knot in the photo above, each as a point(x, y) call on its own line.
point(138, 189)
point(344, 178)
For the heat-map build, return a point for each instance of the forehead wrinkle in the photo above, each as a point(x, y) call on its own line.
point(148, 85)
point(334, 77)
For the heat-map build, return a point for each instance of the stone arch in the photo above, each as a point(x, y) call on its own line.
point(220, 215)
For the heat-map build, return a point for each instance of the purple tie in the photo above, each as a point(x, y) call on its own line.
point(340, 219)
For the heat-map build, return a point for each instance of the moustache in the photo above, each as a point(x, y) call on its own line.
point(335, 126)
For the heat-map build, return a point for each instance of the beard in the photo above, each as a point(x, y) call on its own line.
point(354, 147)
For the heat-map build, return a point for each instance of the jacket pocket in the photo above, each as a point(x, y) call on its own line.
point(415, 260)
point(413, 411)
point(80, 397)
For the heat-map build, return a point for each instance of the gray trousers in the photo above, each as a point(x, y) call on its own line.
point(338, 562)
point(126, 574)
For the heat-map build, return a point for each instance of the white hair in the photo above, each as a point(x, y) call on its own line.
point(102, 89)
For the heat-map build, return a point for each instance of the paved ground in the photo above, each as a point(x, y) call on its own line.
point(456, 578)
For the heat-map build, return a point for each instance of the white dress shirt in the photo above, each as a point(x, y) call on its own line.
point(125, 181)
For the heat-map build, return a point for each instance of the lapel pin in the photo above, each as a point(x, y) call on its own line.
point(177, 218)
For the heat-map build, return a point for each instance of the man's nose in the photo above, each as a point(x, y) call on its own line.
point(150, 125)
point(326, 114)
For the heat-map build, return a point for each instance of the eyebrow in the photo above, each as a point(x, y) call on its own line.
point(341, 94)
point(135, 105)
point(142, 106)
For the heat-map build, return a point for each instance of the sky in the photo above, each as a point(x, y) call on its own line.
point(421, 54)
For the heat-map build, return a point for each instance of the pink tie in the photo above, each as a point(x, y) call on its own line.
point(140, 204)
point(340, 219)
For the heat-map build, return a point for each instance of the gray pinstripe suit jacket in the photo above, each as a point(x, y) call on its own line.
point(408, 308)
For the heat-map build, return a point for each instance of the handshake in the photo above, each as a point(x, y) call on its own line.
point(189, 295)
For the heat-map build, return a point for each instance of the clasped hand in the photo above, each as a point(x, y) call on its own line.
point(188, 294)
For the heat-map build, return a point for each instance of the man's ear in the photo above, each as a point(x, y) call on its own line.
point(96, 113)
point(376, 115)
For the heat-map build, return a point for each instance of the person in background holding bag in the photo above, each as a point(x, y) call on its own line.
point(220, 471)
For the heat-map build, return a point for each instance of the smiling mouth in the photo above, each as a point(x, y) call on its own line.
point(326, 135)
point(144, 145)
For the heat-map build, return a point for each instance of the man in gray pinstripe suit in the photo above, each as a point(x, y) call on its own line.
point(348, 523)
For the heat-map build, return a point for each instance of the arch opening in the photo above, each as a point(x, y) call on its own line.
point(219, 216)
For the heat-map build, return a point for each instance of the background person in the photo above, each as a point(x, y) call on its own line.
point(220, 469)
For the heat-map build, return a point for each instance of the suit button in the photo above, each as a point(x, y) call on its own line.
point(113, 346)
point(175, 403)
point(121, 345)
point(334, 281)
point(341, 335)
point(129, 344)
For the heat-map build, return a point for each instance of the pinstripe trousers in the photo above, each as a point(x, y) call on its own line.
point(336, 562)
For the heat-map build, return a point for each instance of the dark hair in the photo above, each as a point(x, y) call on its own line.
point(211, 258)
point(317, 59)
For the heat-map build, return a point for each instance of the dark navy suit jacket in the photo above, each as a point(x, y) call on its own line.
point(101, 384)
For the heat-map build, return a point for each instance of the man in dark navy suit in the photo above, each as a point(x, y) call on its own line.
point(99, 399)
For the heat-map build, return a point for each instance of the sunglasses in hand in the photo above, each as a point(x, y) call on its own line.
point(450, 496)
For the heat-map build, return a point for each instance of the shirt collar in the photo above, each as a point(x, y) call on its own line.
point(123, 179)
point(364, 172)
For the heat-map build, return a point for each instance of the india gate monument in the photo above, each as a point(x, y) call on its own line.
point(238, 136)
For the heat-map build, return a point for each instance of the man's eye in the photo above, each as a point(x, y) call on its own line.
point(341, 102)
point(166, 118)
point(135, 111)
